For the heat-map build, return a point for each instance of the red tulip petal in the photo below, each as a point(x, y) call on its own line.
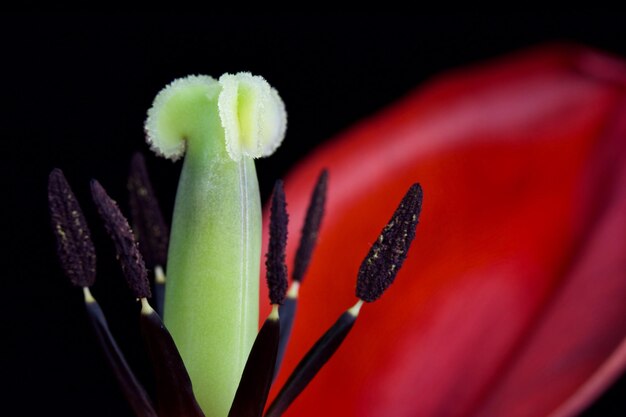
point(512, 295)
point(585, 321)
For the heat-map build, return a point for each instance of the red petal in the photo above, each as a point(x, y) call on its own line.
point(512, 295)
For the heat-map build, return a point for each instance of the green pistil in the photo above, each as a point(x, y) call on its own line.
point(211, 305)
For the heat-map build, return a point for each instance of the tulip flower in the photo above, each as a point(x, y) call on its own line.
point(510, 303)
point(512, 300)
point(212, 363)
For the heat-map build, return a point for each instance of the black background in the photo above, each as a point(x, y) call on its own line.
point(75, 91)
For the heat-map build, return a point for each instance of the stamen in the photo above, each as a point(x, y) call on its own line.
point(174, 392)
point(151, 230)
point(385, 258)
point(375, 276)
point(78, 259)
point(311, 228)
point(75, 249)
point(275, 262)
point(120, 232)
point(308, 241)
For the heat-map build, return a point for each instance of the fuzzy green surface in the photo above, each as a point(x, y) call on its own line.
point(211, 305)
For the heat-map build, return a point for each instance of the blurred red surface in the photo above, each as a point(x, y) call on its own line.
point(511, 302)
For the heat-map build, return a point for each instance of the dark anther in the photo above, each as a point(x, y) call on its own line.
point(311, 227)
point(130, 258)
point(74, 246)
point(380, 266)
point(275, 262)
point(147, 220)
